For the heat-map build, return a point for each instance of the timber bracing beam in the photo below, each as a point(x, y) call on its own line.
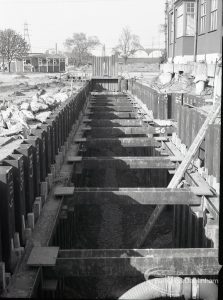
point(124, 162)
point(124, 142)
point(129, 262)
point(123, 108)
point(111, 115)
point(113, 122)
point(128, 196)
point(116, 131)
point(99, 109)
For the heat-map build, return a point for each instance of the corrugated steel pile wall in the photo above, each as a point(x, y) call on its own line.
point(189, 120)
point(105, 66)
point(104, 84)
point(160, 104)
point(22, 172)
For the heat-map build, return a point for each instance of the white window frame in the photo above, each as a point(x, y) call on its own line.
point(203, 16)
point(189, 11)
point(214, 15)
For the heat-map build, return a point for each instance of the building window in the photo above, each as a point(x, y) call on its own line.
point(203, 16)
point(190, 18)
point(180, 18)
point(171, 28)
point(214, 15)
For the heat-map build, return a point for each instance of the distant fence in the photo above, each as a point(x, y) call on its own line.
point(105, 66)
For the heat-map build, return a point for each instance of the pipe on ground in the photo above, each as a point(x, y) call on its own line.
point(173, 287)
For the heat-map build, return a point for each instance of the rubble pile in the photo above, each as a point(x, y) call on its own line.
point(20, 116)
point(167, 83)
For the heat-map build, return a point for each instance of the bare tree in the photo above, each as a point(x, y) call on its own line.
point(12, 45)
point(80, 46)
point(128, 44)
point(2, 48)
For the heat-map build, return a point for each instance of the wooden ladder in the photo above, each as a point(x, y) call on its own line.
point(180, 171)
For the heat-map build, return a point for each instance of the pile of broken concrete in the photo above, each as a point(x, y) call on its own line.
point(21, 117)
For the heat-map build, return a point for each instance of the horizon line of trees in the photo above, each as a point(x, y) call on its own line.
point(79, 46)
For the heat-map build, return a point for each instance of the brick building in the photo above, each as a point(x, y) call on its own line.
point(39, 62)
point(194, 31)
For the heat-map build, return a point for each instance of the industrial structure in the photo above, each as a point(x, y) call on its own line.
point(86, 195)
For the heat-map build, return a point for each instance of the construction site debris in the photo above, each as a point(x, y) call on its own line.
point(14, 118)
point(17, 93)
point(200, 87)
point(165, 78)
point(43, 116)
point(26, 108)
point(181, 83)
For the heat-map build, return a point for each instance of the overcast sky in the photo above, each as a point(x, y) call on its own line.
point(52, 21)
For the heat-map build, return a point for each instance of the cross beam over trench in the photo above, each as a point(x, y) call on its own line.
point(124, 142)
point(124, 162)
point(128, 196)
point(113, 122)
point(117, 130)
point(132, 262)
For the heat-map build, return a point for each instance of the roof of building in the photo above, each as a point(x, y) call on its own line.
point(44, 55)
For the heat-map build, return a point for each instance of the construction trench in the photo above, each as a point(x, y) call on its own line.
point(93, 175)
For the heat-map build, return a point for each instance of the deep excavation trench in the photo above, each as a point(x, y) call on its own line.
point(113, 225)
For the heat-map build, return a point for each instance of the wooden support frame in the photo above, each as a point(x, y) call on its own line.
point(181, 170)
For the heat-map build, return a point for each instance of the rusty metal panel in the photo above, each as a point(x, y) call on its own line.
point(7, 213)
point(201, 119)
point(177, 101)
point(183, 129)
point(193, 100)
point(155, 104)
point(165, 106)
point(16, 161)
point(48, 130)
point(179, 120)
point(216, 151)
point(27, 151)
point(187, 135)
point(211, 148)
point(42, 134)
point(105, 66)
point(169, 112)
point(207, 150)
point(35, 141)
point(189, 127)
point(195, 124)
point(159, 107)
